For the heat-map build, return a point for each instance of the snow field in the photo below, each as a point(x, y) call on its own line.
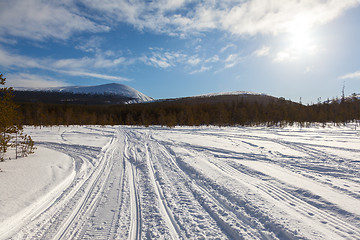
point(189, 183)
point(29, 185)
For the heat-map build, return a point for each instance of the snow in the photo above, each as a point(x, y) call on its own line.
point(112, 88)
point(231, 93)
point(27, 184)
point(184, 183)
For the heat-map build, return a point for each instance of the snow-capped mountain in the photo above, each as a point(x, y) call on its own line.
point(105, 89)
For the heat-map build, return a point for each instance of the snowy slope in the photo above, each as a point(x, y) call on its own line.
point(195, 183)
point(28, 185)
point(111, 88)
point(224, 97)
point(356, 96)
point(230, 93)
point(346, 98)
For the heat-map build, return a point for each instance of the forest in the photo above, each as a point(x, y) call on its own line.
point(215, 110)
point(68, 97)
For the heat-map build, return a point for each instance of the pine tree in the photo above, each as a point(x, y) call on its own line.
point(7, 116)
point(11, 132)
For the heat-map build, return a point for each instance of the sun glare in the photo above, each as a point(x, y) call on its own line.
point(300, 39)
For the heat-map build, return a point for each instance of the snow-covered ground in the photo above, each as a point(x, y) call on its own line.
point(184, 183)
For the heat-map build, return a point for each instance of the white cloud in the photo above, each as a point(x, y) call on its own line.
point(161, 58)
point(39, 20)
point(12, 60)
point(165, 59)
point(263, 51)
point(237, 17)
point(284, 56)
point(156, 60)
point(194, 60)
point(232, 60)
point(213, 59)
point(90, 45)
point(71, 63)
point(32, 81)
point(7, 40)
point(108, 63)
point(86, 62)
point(295, 53)
point(274, 17)
point(231, 45)
point(170, 4)
point(354, 75)
point(72, 67)
point(202, 69)
point(95, 75)
point(162, 63)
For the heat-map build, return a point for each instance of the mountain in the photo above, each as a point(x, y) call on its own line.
point(115, 93)
point(107, 89)
point(107, 93)
point(226, 97)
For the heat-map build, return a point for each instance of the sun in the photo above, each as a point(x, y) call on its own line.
point(300, 40)
point(300, 37)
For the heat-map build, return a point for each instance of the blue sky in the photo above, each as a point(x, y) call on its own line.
point(174, 48)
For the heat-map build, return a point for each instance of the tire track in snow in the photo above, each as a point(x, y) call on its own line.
point(150, 208)
point(154, 171)
point(318, 165)
point(135, 206)
point(317, 161)
point(315, 155)
point(233, 223)
point(109, 215)
point(343, 166)
point(104, 217)
point(307, 210)
point(337, 225)
point(188, 198)
point(89, 199)
point(175, 232)
point(47, 221)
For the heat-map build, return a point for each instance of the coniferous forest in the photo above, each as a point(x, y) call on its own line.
point(216, 110)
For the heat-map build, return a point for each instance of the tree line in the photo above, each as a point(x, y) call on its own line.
point(55, 97)
point(239, 110)
point(194, 112)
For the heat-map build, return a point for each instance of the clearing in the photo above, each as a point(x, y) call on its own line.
point(184, 183)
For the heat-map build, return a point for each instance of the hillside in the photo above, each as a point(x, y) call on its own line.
point(113, 93)
point(226, 97)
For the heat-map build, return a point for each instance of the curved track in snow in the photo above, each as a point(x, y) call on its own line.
point(191, 183)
